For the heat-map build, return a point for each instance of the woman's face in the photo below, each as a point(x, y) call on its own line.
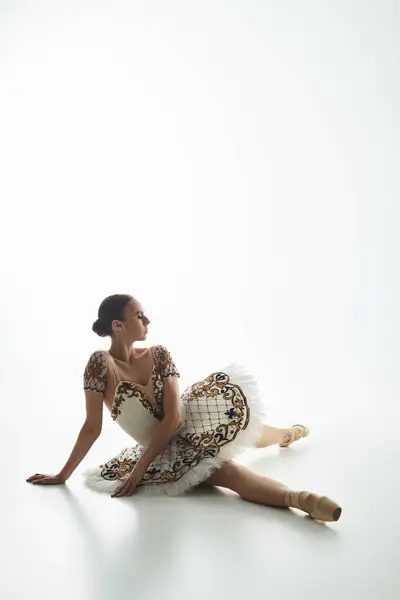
point(135, 324)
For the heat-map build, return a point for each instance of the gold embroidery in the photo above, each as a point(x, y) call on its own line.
point(95, 375)
point(216, 411)
point(164, 362)
point(127, 390)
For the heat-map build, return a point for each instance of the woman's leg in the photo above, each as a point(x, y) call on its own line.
point(270, 436)
point(256, 488)
point(249, 486)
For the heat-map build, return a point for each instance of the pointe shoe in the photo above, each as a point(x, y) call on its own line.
point(296, 432)
point(320, 508)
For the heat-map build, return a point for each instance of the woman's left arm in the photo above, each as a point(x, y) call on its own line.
point(162, 435)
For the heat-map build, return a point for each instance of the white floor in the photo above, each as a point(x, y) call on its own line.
point(73, 543)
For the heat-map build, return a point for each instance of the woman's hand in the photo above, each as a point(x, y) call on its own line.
point(46, 479)
point(128, 485)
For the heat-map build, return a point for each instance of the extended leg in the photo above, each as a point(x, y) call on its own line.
point(249, 485)
point(255, 488)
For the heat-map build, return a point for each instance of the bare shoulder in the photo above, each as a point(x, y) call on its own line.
point(143, 351)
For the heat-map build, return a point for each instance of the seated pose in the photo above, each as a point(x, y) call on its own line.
point(183, 441)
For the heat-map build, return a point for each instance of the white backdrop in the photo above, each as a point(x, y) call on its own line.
point(234, 166)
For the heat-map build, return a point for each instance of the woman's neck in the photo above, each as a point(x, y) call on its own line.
point(125, 352)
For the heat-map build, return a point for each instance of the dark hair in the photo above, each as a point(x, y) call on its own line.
point(112, 308)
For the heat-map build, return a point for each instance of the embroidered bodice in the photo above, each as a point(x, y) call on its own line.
point(136, 408)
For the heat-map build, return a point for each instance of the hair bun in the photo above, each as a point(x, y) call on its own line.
point(99, 329)
point(112, 308)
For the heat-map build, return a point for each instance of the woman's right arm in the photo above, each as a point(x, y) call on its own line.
point(88, 434)
point(95, 380)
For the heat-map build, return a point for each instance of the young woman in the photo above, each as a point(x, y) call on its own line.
point(183, 441)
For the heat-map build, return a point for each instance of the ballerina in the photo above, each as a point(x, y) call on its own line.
point(183, 441)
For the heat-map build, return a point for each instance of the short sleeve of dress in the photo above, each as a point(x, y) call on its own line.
point(165, 364)
point(95, 375)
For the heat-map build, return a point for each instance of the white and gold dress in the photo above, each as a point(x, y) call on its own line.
point(221, 416)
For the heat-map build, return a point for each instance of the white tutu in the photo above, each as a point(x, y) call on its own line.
point(221, 416)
